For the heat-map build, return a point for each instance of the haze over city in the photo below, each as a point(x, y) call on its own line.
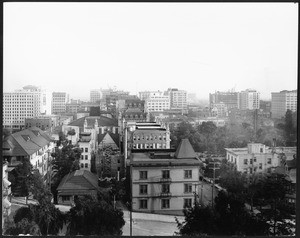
point(198, 47)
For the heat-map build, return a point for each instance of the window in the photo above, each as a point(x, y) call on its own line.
point(82, 157)
point(65, 198)
point(165, 188)
point(187, 202)
point(260, 166)
point(86, 165)
point(251, 161)
point(81, 165)
point(188, 188)
point(86, 157)
point(143, 175)
point(165, 203)
point(261, 150)
point(269, 161)
point(245, 161)
point(143, 189)
point(86, 149)
point(166, 174)
point(254, 159)
point(187, 173)
point(143, 204)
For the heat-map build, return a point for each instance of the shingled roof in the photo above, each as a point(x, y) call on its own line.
point(25, 142)
point(91, 120)
point(78, 180)
point(185, 150)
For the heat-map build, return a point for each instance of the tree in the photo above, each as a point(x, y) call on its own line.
point(92, 217)
point(19, 182)
point(24, 226)
point(290, 128)
point(66, 160)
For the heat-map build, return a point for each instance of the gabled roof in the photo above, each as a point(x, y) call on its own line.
point(79, 180)
point(102, 121)
point(114, 137)
point(185, 150)
point(25, 142)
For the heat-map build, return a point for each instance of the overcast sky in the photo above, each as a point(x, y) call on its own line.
point(199, 47)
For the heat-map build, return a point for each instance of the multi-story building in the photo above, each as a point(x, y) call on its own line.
point(157, 102)
point(31, 143)
point(165, 182)
point(29, 102)
point(283, 101)
point(178, 99)
point(59, 101)
point(249, 99)
point(230, 99)
point(219, 110)
point(258, 158)
point(85, 144)
point(95, 95)
point(150, 136)
point(113, 97)
point(45, 123)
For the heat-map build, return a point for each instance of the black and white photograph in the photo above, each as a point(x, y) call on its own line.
point(149, 118)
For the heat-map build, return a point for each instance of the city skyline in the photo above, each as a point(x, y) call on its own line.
point(197, 47)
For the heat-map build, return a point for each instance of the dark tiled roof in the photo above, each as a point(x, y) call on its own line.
point(185, 150)
point(115, 137)
point(102, 121)
point(25, 142)
point(79, 180)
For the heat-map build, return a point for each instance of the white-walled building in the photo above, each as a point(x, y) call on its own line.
point(164, 182)
point(178, 98)
point(249, 99)
point(31, 143)
point(282, 101)
point(85, 144)
point(157, 102)
point(258, 158)
point(59, 102)
point(219, 109)
point(95, 95)
point(29, 102)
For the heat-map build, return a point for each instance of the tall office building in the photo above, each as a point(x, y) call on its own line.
point(282, 101)
point(230, 99)
point(95, 95)
point(59, 101)
point(178, 98)
point(157, 102)
point(249, 99)
point(28, 102)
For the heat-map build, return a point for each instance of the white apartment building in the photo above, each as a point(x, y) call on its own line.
point(59, 102)
point(249, 99)
point(178, 98)
point(29, 102)
point(258, 158)
point(282, 101)
point(219, 110)
point(85, 144)
point(165, 182)
point(157, 102)
point(95, 95)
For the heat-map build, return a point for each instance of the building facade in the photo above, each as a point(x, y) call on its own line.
point(230, 99)
point(95, 95)
point(59, 101)
point(29, 102)
point(31, 143)
point(178, 99)
point(249, 99)
point(157, 102)
point(283, 101)
point(219, 110)
point(165, 182)
point(258, 158)
point(85, 144)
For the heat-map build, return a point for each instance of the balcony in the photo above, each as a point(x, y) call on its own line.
point(165, 180)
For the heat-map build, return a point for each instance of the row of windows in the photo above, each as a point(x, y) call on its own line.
point(149, 146)
point(165, 203)
point(86, 157)
point(150, 137)
point(165, 188)
point(82, 165)
point(86, 149)
point(165, 174)
point(269, 161)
